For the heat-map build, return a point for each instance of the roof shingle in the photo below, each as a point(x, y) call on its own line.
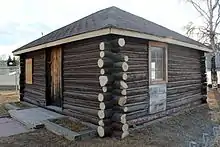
point(109, 17)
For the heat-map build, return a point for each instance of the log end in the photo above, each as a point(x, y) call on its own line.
point(124, 76)
point(121, 42)
point(100, 97)
point(125, 127)
point(101, 114)
point(101, 131)
point(124, 84)
point(124, 134)
point(100, 63)
point(103, 80)
point(102, 46)
point(126, 58)
point(104, 89)
point(122, 101)
point(124, 92)
point(102, 71)
point(102, 106)
point(102, 54)
point(124, 66)
point(101, 123)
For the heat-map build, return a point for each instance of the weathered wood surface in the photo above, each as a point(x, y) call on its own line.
point(56, 74)
point(184, 76)
point(82, 83)
point(36, 91)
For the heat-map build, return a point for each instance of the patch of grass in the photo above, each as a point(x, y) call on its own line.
point(72, 125)
point(3, 111)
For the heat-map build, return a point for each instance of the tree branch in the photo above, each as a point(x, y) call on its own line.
point(215, 5)
point(200, 10)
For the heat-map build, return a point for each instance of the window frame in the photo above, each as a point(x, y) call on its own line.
point(29, 80)
point(165, 75)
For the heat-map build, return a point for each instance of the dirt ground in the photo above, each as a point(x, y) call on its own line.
point(8, 96)
point(177, 131)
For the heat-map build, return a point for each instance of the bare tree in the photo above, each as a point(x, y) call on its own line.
point(206, 33)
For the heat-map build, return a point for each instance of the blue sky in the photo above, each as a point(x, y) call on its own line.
point(22, 21)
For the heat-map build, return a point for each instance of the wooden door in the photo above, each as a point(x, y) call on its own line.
point(55, 76)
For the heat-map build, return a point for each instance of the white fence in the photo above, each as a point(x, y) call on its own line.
point(9, 78)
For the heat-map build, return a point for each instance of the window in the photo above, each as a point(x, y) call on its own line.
point(28, 71)
point(157, 63)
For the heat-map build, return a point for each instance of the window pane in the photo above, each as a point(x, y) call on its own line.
point(157, 63)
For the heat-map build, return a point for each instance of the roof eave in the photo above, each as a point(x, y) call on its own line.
point(115, 31)
point(157, 38)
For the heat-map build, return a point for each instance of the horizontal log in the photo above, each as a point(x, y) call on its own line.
point(105, 79)
point(104, 131)
point(81, 74)
point(106, 105)
point(184, 100)
point(119, 100)
point(80, 67)
point(90, 96)
point(127, 108)
point(114, 56)
point(82, 116)
point(82, 47)
point(137, 90)
point(105, 122)
point(182, 83)
point(104, 62)
point(148, 118)
point(104, 97)
point(120, 126)
point(120, 76)
point(119, 92)
point(120, 84)
point(104, 71)
point(105, 113)
point(93, 112)
point(182, 95)
point(113, 45)
point(137, 114)
point(106, 89)
point(119, 117)
point(123, 66)
point(78, 56)
point(136, 106)
point(82, 105)
point(80, 81)
point(120, 134)
point(76, 88)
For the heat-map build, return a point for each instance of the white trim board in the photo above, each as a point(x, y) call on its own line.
point(107, 31)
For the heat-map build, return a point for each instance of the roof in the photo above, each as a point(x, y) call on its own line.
point(111, 17)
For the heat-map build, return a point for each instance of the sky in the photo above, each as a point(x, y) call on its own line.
point(22, 21)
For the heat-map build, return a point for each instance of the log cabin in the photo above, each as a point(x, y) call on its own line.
point(114, 70)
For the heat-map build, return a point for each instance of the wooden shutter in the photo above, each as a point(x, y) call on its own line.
point(28, 71)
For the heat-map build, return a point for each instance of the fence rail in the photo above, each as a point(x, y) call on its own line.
point(9, 78)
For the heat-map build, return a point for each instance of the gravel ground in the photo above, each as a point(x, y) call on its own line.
point(173, 132)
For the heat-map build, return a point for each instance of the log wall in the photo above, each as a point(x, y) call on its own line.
point(183, 87)
point(81, 80)
point(108, 86)
point(184, 76)
point(35, 92)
